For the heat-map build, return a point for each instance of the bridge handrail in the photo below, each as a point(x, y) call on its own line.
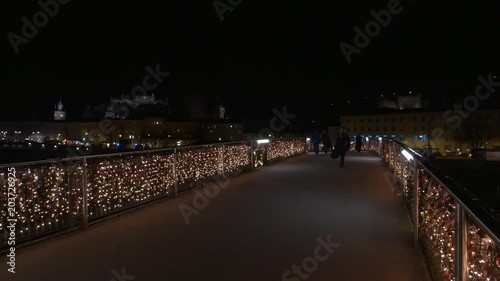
point(471, 204)
point(457, 233)
point(58, 195)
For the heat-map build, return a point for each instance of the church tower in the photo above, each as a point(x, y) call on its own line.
point(220, 110)
point(59, 113)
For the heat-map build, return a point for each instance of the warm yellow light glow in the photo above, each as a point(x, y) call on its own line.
point(51, 193)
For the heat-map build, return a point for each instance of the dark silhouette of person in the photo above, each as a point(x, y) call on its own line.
point(327, 142)
point(359, 143)
point(342, 145)
point(316, 140)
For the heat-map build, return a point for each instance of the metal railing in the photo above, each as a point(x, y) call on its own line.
point(457, 234)
point(43, 198)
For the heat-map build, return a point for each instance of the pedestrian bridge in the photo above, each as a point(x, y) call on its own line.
point(234, 212)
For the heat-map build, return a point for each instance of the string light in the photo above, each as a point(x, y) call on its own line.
point(46, 198)
point(285, 148)
point(483, 255)
point(119, 182)
point(437, 226)
point(236, 158)
point(408, 175)
point(50, 195)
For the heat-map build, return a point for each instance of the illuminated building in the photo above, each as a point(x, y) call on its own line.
point(443, 132)
point(59, 113)
point(221, 130)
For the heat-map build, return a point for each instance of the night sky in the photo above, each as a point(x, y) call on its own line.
point(264, 54)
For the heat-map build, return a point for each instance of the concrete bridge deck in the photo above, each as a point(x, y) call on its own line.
point(303, 215)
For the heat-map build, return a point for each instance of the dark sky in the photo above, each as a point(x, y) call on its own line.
point(264, 54)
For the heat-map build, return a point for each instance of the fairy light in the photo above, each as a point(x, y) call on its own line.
point(483, 255)
point(236, 157)
point(437, 224)
point(408, 183)
point(437, 227)
point(198, 164)
point(285, 148)
point(44, 196)
point(120, 182)
point(50, 195)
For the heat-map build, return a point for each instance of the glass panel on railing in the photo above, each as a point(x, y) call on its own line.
point(199, 165)
point(285, 148)
point(37, 199)
point(48, 197)
point(437, 227)
point(117, 183)
point(409, 175)
point(236, 158)
point(398, 166)
point(483, 255)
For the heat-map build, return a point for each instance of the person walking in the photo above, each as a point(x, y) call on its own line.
point(327, 142)
point(316, 139)
point(342, 145)
point(359, 143)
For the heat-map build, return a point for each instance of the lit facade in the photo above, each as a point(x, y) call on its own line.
point(32, 131)
point(154, 132)
point(445, 132)
point(59, 113)
point(222, 131)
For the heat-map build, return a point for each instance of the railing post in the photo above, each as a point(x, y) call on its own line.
point(175, 173)
point(251, 155)
point(416, 203)
point(394, 160)
point(85, 207)
point(402, 172)
point(267, 159)
point(222, 159)
point(381, 149)
point(461, 244)
point(389, 145)
point(382, 146)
